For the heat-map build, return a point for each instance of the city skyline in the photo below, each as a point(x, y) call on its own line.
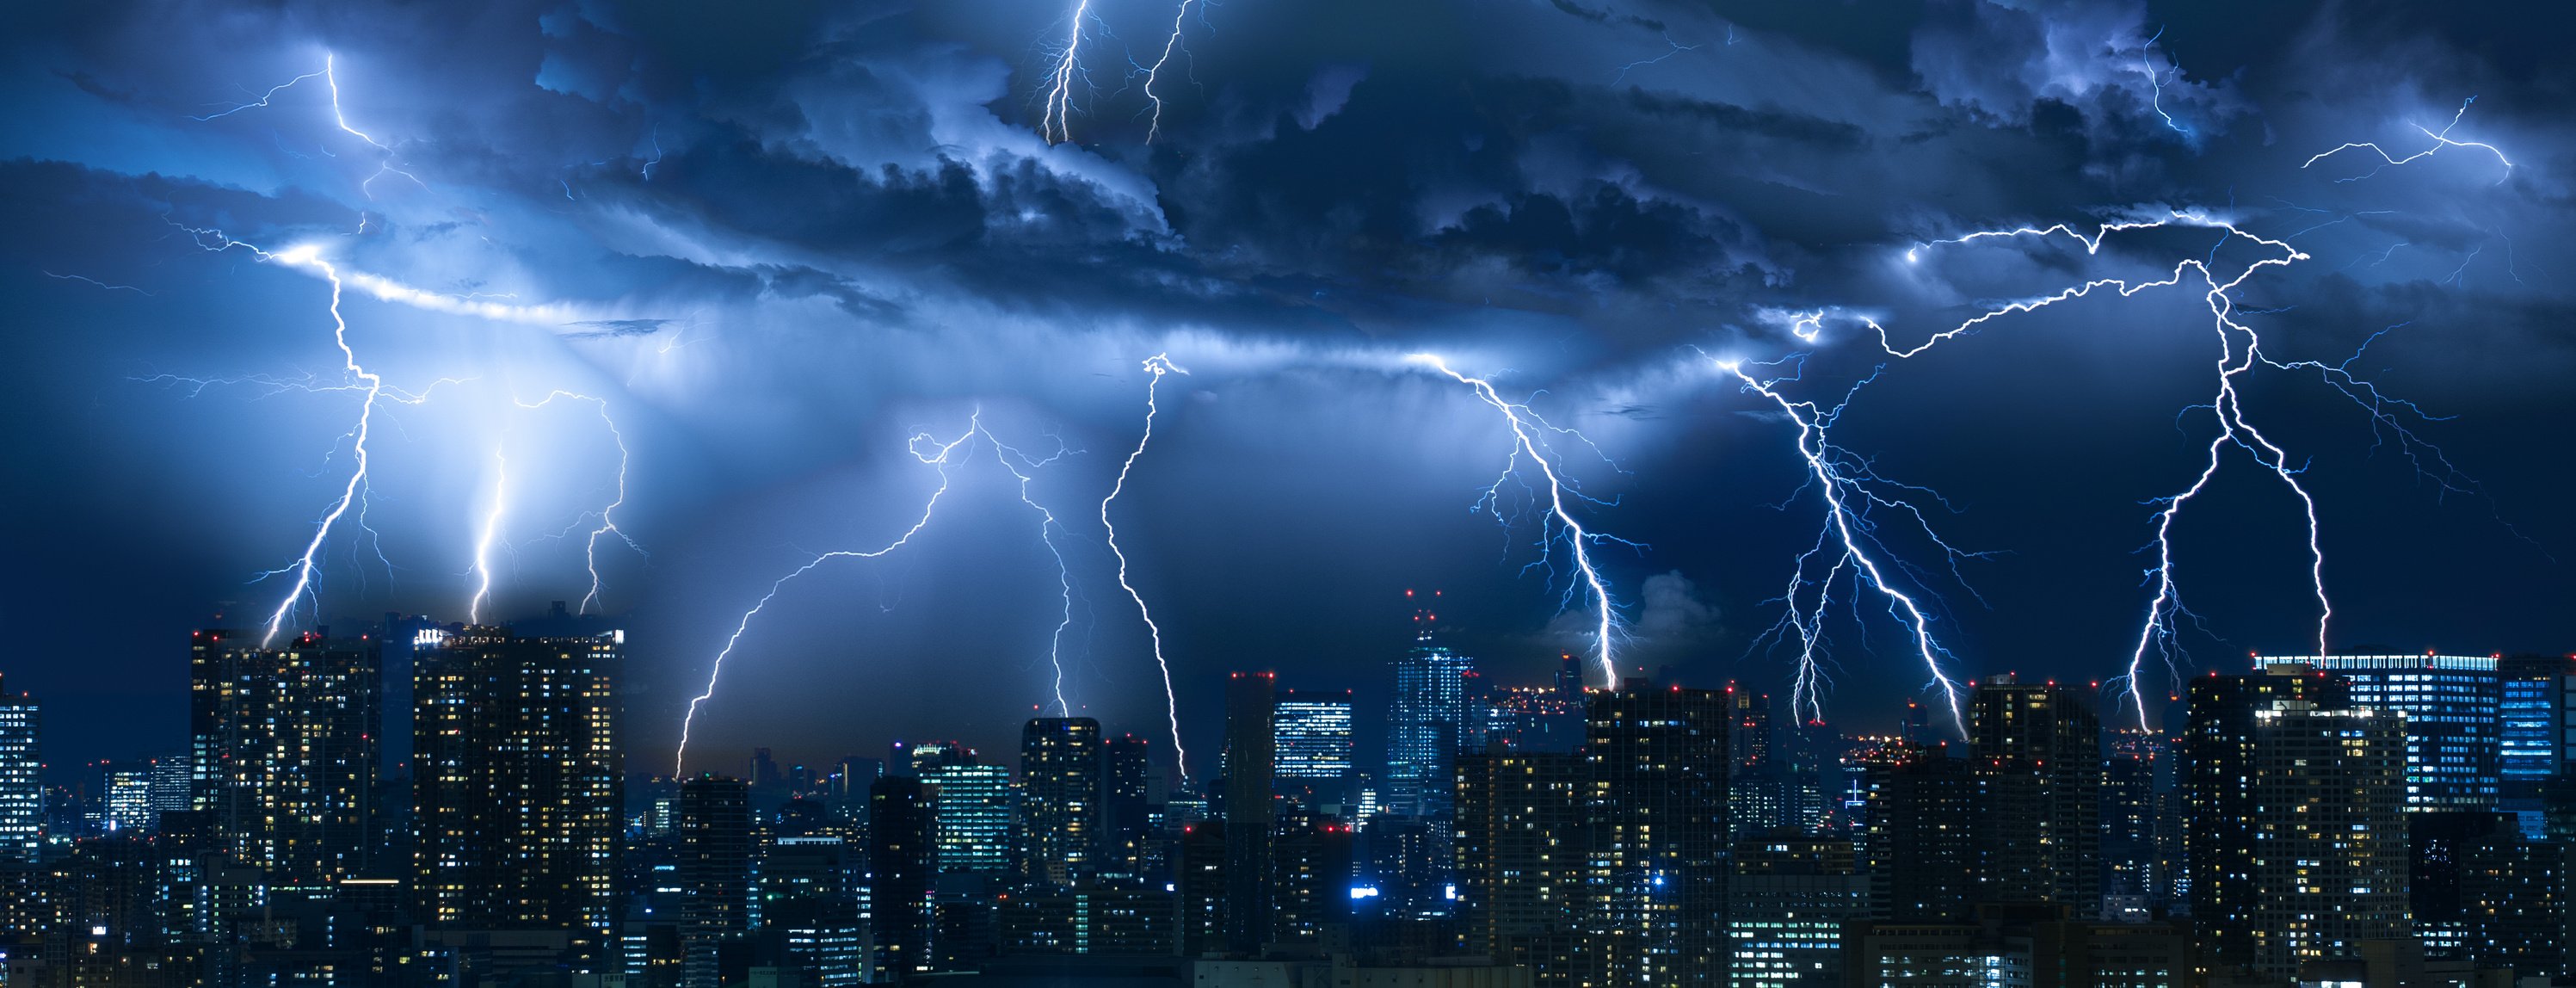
point(1881, 366)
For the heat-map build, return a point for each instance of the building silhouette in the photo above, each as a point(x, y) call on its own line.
point(1654, 873)
point(1786, 903)
point(517, 785)
point(713, 834)
point(2037, 753)
point(903, 865)
point(1251, 813)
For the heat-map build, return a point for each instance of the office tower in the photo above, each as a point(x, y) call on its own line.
point(1061, 766)
point(2037, 748)
point(973, 807)
point(1522, 847)
point(1920, 838)
point(2483, 892)
point(1787, 901)
point(22, 785)
point(1200, 880)
point(1654, 875)
point(1425, 728)
point(1536, 718)
point(1757, 790)
point(171, 785)
point(2141, 835)
point(517, 784)
point(1310, 876)
point(1128, 827)
point(764, 772)
point(903, 862)
point(810, 916)
point(714, 866)
point(2296, 833)
point(1313, 737)
point(2537, 694)
point(1250, 759)
point(2452, 707)
point(128, 796)
point(855, 773)
point(285, 748)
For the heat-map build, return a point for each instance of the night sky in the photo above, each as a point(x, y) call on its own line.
point(776, 241)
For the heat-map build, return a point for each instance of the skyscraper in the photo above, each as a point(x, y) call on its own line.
point(1251, 817)
point(2483, 892)
point(2037, 750)
point(1655, 879)
point(2453, 720)
point(128, 796)
point(22, 785)
point(2295, 831)
point(1522, 850)
point(973, 807)
point(714, 833)
point(1426, 724)
point(517, 784)
point(1127, 808)
point(1920, 839)
point(285, 746)
point(1062, 788)
point(2141, 828)
point(903, 860)
point(1313, 732)
point(1787, 901)
point(2538, 692)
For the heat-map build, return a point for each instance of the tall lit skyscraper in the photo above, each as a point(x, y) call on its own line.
point(2141, 826)
point(1921, 813)
point(2453, 713)
point(127, 795)
point(1313, 731)
point(2295, 827)
point(2037, 749)
point(285, 746)
point(1787, 901)
point(1426, 725)
point(2538, 693)
point(517, 783)
point(1655, 879)
point(1062, 788)
point(714, 832)
point(1127, 806)
point(972, 806)
point(1522, 850)
point(22, 785)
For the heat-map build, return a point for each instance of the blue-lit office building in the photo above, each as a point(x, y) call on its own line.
point(2538, 695)
point(2453, 709)
point(1313, 731)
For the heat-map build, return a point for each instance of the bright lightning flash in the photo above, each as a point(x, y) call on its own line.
point(1157, 366)
point(1529, 439)
point(491, 534)
point(2441, 139)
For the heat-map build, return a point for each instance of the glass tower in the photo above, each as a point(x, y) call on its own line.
point(22, 790)
point(1313, 729)
point(2452, 705)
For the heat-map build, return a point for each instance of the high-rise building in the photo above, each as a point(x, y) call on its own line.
point(903, 862)
point(811, 917)
point(2537, 696)
point(1426, 727)
point(2482, 892)
point(714, 837)
point(1757, 790)
point(285, 750)
point(1251, 815)
point(2037, 749)
point(1310, 877)
point(22, 785)
point(1128, 827)
point(2141, 827)
point(1313, 735)
point(1062, 789)
point(1522, 849)
point(1655, 880)
point(2453, 714)
point(973, 807)
point(127, 793)
point(2295, 831)
point(1787, 901)
point(1920, 837)
point(518, 784)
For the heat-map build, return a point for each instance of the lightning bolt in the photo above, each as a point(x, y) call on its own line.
point(2441, 139)
point(1023, 468)
point(607, 516)
point(926, 448)
point(491, 534)
point(1171, 46)
point(330, 76)
point(1056, 122)
point(1157, 366)
point(1840, 479)
point(369, 385)
point(1528, 442)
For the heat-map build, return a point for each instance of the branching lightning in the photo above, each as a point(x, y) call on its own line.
point(1842, 479)
point(926, 448)
point(1529, 439)
point(1056, 123)
point(2441, 139)
point(1156, 366)
point(1171, 46)
point(1023, 467)
point(606, 516)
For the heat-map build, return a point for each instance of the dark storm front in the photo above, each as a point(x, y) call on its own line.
point(2374, 819)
